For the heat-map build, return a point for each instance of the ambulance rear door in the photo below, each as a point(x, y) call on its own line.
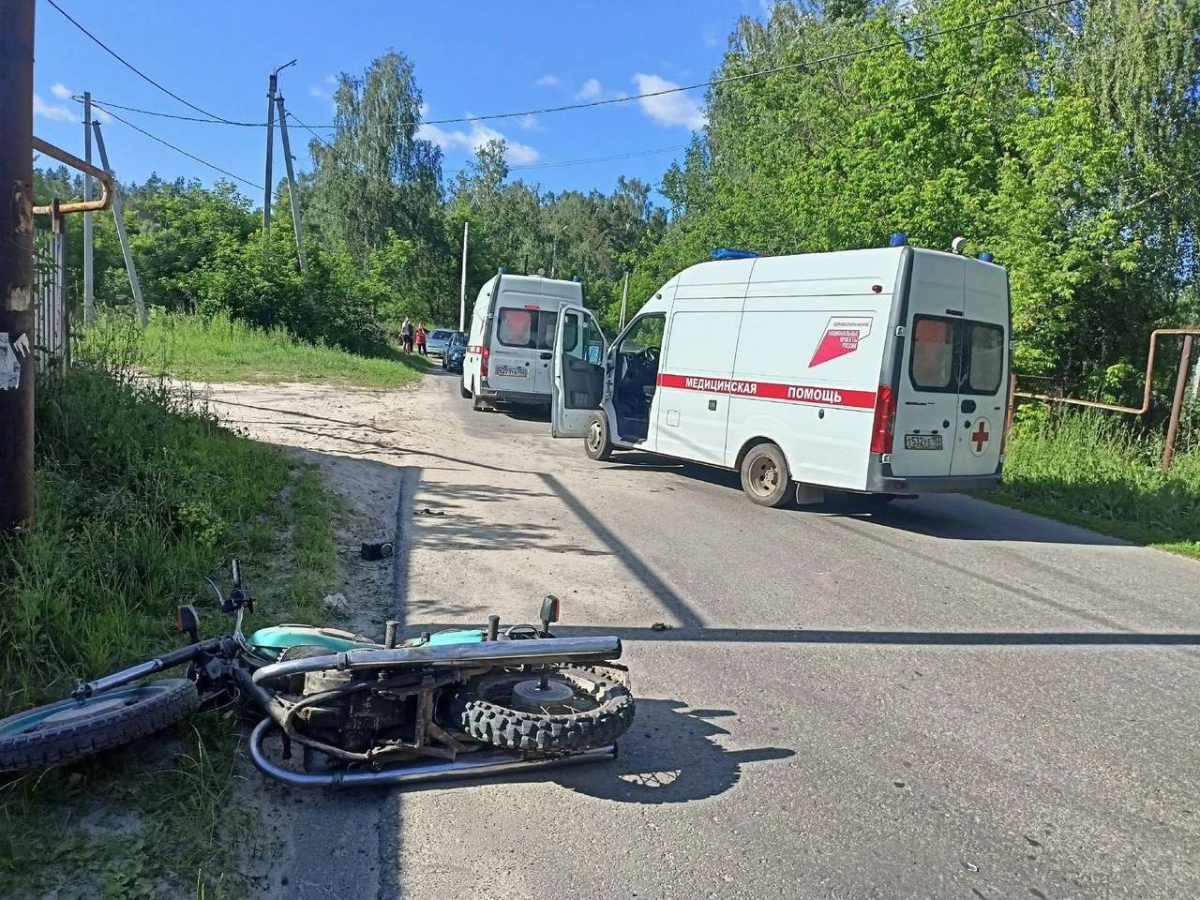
point(983, 378)
point(926, 400)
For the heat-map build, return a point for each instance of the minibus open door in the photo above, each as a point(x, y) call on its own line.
point(580, 351)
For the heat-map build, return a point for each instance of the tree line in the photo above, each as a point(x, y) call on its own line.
point(1060, 137)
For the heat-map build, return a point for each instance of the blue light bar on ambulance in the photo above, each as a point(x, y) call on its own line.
point(897, 239)
point(986, 257)
point(730, 253)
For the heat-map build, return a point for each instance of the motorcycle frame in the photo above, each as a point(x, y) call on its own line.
point(442, 665)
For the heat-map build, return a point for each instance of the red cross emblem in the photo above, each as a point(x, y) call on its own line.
point(979, 437)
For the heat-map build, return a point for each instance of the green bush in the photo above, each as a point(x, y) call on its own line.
point(1101, 470)
point(139, 496)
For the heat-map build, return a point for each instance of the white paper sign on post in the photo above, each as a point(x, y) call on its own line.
point(11, 357)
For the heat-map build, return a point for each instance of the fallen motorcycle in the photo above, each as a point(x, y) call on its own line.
point(456, 703)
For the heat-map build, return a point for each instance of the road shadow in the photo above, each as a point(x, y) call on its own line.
point(446, 525)
point(669, 755)
point(944, 516)
point(851, 636)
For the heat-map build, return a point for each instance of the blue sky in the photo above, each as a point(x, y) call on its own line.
point(471, 58)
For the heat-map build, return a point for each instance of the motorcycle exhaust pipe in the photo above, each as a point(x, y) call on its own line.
point(539, 652)
point(483, 764)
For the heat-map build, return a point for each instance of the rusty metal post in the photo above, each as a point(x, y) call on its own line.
point(1181, 380)
point(58, 222)
point(16, 263)
point(1009, 412)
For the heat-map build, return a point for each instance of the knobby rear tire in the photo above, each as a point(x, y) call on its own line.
point(159, 704)
point(516, 729)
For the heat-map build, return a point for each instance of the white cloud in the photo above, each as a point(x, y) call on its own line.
point(710, 38)
point(423, 109)
point(55, 112)
point(589, 90)
point(676, 108)
point(515, 153)
point(61, 91)
point(317, 91)
point(547, 81)
point(529, 123)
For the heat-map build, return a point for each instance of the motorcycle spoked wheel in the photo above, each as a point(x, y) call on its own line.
point(70, 730)
point(583, 707)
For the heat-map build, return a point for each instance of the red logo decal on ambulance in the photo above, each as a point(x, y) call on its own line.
point(842, 336)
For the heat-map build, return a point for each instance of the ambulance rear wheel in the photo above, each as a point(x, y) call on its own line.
point(463, 391)
point(765, 477)
point(597, 441)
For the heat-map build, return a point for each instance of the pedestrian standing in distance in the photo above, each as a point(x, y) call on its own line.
point(421, 341)
point(406, 336)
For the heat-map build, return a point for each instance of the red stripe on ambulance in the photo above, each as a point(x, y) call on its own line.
point(770, 390)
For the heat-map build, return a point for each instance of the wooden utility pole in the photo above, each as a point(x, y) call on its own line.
point(118, 210)
point(1181, 380)
point(292, 195)
point(271, 86)
point(16, 263)
point(89, 270)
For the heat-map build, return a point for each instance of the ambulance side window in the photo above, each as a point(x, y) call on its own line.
point(933, 364)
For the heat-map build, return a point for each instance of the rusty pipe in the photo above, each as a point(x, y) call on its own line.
point(1096, 404)
point(106, 183)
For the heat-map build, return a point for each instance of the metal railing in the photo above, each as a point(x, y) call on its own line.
point(1185, 361)
point(51, 324)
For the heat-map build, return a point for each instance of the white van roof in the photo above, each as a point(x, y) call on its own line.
point(536, 286)
point(840, 271)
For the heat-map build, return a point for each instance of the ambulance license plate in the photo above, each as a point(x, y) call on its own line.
point(512, 371)
point(922, 442)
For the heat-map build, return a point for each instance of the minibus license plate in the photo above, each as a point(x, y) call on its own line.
point(922, 442)
point(511, 371)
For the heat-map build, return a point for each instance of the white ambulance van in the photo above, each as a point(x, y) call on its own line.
point(510, 344)
point(880, 372)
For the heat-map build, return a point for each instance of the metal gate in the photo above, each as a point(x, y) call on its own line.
point(51, 323)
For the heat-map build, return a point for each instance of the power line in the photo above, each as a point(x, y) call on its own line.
point(167, 115)
point(296, 119)
point(134, 68)
point(155, 137)
point(629, 98)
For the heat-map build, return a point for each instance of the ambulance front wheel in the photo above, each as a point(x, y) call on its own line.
point(765, 477)
point(597, 441)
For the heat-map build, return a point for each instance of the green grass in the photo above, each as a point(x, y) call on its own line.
point(137, 500)
point(222, 350)
point(1099, 471)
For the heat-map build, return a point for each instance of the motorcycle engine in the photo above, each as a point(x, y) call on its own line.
point(356, 719)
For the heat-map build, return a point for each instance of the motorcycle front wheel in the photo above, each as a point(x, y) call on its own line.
point(564, 709)
point(70, 730)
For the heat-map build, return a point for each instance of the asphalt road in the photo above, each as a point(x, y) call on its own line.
point(942, 699)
